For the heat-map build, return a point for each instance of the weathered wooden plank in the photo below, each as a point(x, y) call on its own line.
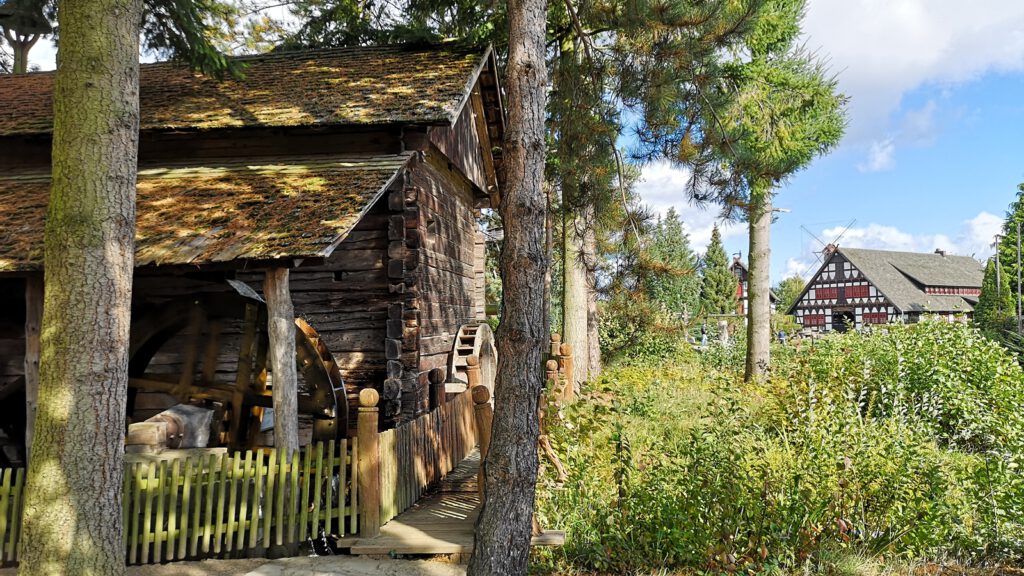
point(212, 465)
point(16, 504)
point(317, 488)
point(304, 530)
point(185, 509)
point(293, 493)
point(160, 491)
point(257, 495)
point(269, 495)
point(147, 516)
point(172, 480)
point(5, 503)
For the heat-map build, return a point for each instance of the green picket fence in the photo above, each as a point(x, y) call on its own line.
point(220, 505)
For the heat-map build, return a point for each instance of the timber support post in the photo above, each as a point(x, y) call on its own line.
point(484, 419)
point(281, 326)
point(565, 358)
point(33, 327)
point(556, 345)
point(369, 464)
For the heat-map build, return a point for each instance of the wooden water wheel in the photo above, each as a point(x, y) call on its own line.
point(474, 339)
point(212, 351)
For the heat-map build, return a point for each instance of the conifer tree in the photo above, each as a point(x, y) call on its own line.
point(675, 284)
point(718, 289)
point(996, 308)
point(1008, 245)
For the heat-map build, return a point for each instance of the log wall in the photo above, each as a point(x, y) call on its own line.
point(450, 266)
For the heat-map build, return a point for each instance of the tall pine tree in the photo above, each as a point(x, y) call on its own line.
point(718, 289)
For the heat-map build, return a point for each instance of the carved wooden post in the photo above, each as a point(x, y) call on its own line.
point(473, 371)
point(281, 327)
point(484, 417)
point(556, 343)
point(369, 464)
point(33, 325)
point(437, 387)
point(551, 375)
point(569, 392)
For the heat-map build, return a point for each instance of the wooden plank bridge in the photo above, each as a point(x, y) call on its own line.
point(440, 523)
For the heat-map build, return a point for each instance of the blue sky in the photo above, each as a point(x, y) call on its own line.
point(935, 144)
point(933, 150)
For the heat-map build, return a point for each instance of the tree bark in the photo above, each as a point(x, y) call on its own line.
point(593, 317)
point(575, 297)
point(285, 382)
point(758, 286)
point(502, 538)
point(72, 515)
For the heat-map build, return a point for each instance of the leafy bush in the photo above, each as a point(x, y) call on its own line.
point(904, 443)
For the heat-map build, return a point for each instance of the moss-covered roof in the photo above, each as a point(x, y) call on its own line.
point(350, 86)
point(259, 210)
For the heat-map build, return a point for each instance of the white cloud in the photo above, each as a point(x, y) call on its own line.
point(880, 156)
point(663, 185)
point(974, 238)
point(798, 267)
point(882, 49)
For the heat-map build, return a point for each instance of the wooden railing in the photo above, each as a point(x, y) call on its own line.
point(219, 504)
point(410, 457)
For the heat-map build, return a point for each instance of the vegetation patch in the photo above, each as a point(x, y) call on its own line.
point(900, 446)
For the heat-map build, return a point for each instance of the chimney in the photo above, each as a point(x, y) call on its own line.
point(940, 251)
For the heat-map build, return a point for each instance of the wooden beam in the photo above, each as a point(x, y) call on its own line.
point(33, 324)
point(284, 383)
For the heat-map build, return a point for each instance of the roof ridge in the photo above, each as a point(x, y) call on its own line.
point(296, 53)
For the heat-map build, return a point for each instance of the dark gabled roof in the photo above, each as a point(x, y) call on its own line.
point(903, 276)
point(348, 86)
point(266, 209)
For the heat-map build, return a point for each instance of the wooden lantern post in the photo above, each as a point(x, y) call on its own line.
point(569, 392)
point(369, 464)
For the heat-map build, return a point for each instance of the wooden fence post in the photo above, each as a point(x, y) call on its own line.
point(551, 375)
point(473, 371)
point(484, 418)
point(437, 377)
point(556, 345)
point(569, 392)
point(369, 464)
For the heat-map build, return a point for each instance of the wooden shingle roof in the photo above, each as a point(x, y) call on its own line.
point(348, 86)
point(255, 210)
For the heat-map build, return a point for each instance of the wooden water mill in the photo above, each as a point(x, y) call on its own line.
point(211, 352)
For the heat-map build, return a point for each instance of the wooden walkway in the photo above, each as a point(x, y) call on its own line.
point(440, 523)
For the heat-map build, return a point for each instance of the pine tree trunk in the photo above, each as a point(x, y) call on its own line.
point(575, 297)
point(593, 319)
point(758, 286)
point(72, 515)
point(502, 540)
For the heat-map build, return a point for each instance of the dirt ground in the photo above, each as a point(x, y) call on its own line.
point(315, 566)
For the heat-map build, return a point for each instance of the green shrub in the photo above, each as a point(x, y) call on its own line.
point(901, 444)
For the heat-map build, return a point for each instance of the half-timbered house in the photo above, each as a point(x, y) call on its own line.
point(361, 171)
point(739, 270)
point(856, 287)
